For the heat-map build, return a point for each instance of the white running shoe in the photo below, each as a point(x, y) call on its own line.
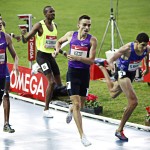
point(69, 115)
point(35, 68)
point(47, 114)
point(85, 142)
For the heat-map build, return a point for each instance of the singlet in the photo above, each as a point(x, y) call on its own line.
point(3, 56)
point(46, 42)
point(132, 64)
point(79, 48)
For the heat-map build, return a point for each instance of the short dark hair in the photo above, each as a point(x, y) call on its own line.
point(142, 37)
point(45, 9)
point(84, 17)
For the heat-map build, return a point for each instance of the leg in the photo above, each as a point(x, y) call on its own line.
point(58, 80)
point(76, 113)
point(127, 88)
point(6, 106)
point(49, 90)
point(113, 87)
point(76, 100)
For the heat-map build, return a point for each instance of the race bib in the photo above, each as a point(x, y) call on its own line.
point(2, 56)
point(50, 41)
point(79, 51)
point(44, 67)
point(133, 66)
point(121, 74)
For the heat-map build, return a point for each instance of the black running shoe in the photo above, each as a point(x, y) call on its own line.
point(7, 128)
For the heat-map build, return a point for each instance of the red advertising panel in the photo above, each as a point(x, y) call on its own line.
point(31, 49)
point(146, 77)
point(28, 85)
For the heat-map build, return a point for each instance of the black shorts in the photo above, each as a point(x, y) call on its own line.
point(2, 87)
point(129, 74)
point(47, 63)
point(78, 81)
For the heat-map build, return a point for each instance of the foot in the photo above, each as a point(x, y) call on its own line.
point(69, 115)
point(101, 62)
point(85, 142)
point(7, 128)
point(47, 114)
point(121, 136)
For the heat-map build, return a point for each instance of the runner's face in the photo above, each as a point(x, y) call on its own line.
point(142, 46)
point(50, 14)
point(84, 26)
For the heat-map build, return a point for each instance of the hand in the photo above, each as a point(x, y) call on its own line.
point(23, 31)
point(145, 72)
point(72, 57)
point(18, 38)
point(16, 70)
point(54, 54)
point(111, 67)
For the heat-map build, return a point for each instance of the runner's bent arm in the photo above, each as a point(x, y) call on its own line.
point(34, 30)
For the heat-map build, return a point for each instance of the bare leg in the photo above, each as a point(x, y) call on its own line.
point(76, 113)
point(6, 106)
point(58, 80)
point(49, 90)
point(127, 88)
point(6, 103)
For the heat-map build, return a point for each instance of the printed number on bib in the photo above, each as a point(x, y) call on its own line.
point(121, 74)
point(79, 50)
point(2, 56)
point(68, 85)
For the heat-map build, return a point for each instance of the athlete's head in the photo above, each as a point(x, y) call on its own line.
point(84, 24)
point(49, 12)
point(142, 40)
point(142, 37)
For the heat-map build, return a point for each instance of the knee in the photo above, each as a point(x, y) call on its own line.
point(76, 105)
point(134, 102)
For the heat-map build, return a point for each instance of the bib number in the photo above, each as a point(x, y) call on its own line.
point(121, 74)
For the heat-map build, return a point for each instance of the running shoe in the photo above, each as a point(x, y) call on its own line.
point(121, 136)
point(101, 62)
point(85, 142)
point(47, 114)
point(7, 128)
point(69, 115)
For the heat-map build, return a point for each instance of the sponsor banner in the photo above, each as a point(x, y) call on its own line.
point(28, 85)
point(31, 49)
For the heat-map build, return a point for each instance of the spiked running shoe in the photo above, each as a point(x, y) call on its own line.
point(7, 128)
point(121, 136)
